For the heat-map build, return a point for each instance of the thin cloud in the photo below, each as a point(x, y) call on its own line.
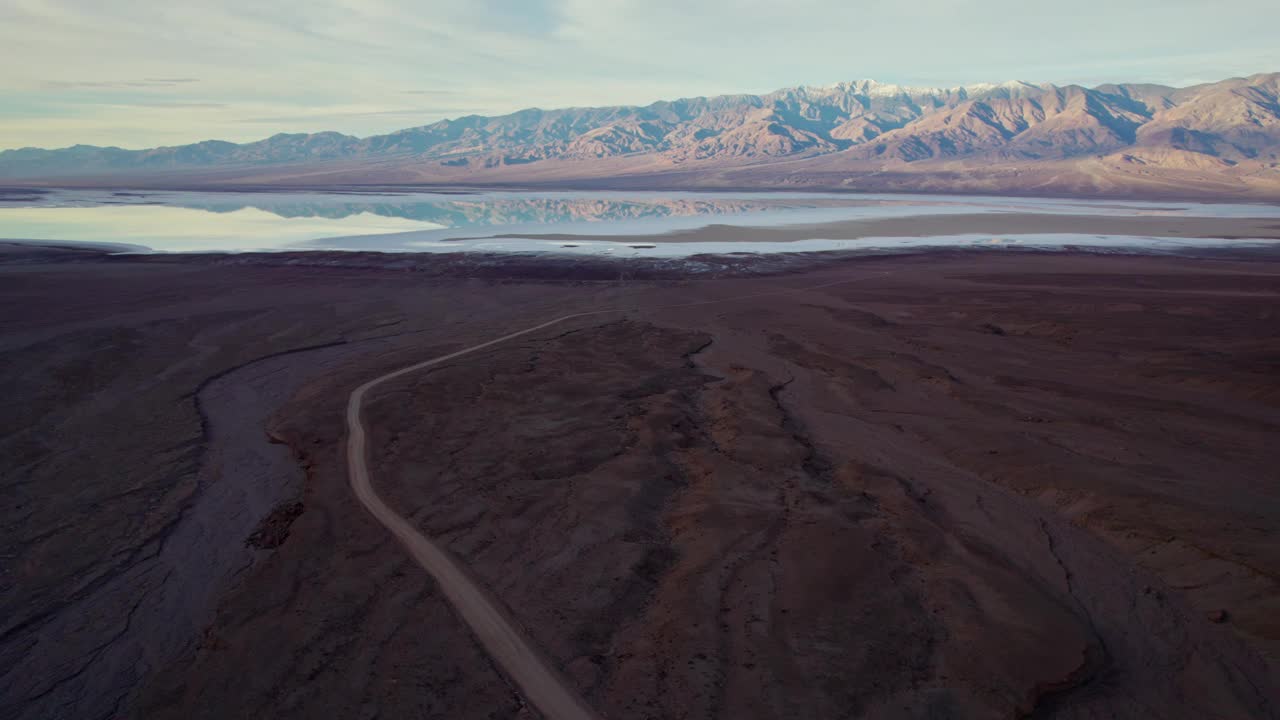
point(117, 84)
point(175, 104)
point(433, 113)
point(334, 64)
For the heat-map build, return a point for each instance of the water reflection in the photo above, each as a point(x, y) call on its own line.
point(500, 210)
point(427, 222)
point(191, 221)
point(181, 229)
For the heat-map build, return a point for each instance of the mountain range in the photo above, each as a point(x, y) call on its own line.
point(1219, 139)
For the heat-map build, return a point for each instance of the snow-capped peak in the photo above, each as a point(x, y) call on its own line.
point(1006, 85)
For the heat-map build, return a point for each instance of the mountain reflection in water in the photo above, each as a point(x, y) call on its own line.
point(500, 221)
point(485, 211)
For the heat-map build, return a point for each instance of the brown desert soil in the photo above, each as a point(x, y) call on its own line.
point(990, 484)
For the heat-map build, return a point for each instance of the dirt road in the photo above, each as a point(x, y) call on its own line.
point(992, 484)
point(541, 684)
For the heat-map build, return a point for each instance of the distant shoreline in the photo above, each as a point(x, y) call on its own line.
point(560, 268)
point(10, 245)
point(941, 225)
point(647, 182)
point(735, 237)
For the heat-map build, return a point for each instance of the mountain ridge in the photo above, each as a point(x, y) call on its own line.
point(1214, 134)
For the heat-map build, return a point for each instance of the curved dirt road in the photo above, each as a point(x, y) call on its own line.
point(540, 683)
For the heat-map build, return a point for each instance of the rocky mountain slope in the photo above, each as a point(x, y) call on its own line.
point(848, 134)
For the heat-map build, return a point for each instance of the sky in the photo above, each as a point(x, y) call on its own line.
point(143, 73)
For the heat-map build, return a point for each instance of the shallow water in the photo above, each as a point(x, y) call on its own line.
point(175, 221)
point(1043, 241)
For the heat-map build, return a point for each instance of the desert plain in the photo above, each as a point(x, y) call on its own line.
point(978, 483)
